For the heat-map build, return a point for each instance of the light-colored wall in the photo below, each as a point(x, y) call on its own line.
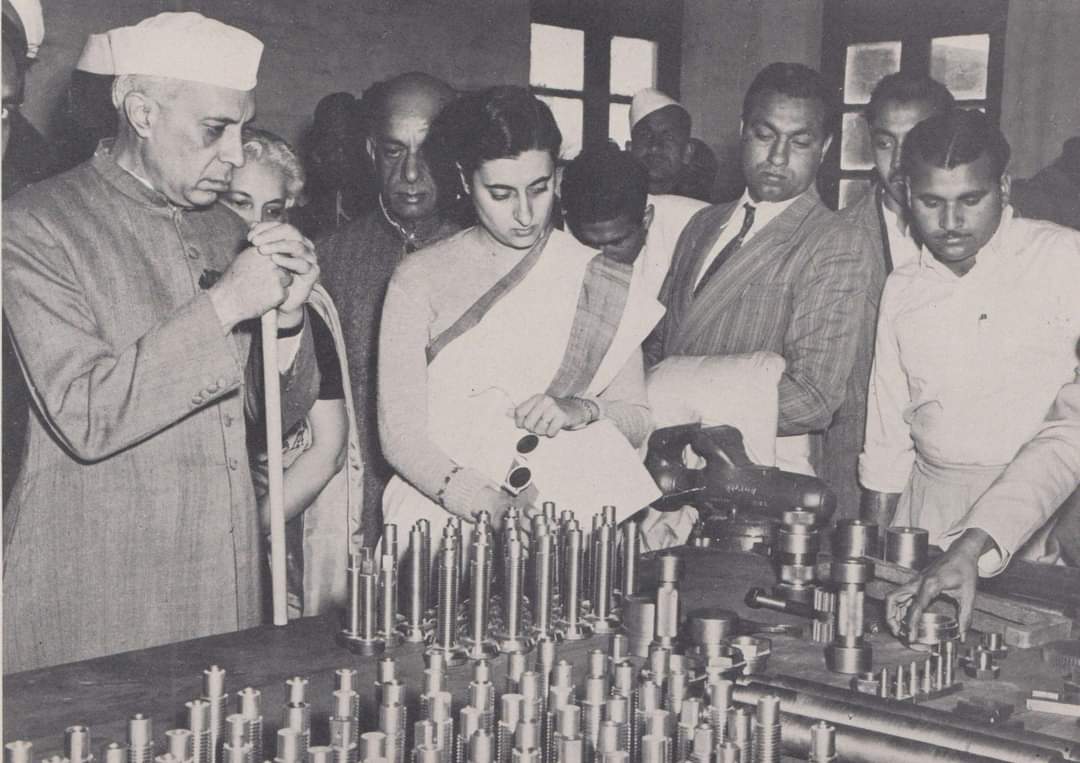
point(725, 43)
point(1041, 89)
point(314, 47)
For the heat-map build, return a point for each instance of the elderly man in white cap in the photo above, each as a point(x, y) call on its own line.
point(129, 292)
point(660, 138)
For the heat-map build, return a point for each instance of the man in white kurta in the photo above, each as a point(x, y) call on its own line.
point(974, 339)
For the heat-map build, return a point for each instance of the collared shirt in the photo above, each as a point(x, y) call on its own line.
point(671, 213)
point(966, 367)
point(902, 247)
point(764, 213)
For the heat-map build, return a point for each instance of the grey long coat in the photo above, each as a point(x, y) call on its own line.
point(132, 522)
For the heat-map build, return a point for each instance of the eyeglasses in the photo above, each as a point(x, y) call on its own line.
point(519, 476)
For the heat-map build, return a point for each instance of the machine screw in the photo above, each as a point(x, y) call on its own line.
point(513, 638)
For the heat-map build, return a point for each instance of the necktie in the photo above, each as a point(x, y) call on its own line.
point(729, 249)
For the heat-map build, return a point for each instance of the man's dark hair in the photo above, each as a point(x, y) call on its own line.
point(793, 81)
point(603, 184)
point(953, 138)
point(903, 87)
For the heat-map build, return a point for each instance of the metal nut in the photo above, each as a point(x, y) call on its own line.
point(865, 683)
point(982, 674)
point(752, 647)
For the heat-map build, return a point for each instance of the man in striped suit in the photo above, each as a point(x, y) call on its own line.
point(776, 270)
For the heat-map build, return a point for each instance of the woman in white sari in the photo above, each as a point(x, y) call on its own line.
point(506, 329)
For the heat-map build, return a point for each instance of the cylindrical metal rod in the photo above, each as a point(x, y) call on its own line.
point(571, 627)
point(906, 546)
point(513, 638)
point(479, 645)
point(854, 537)
point(543, 559)
point(631, 550)
point(388, 590)
point(416, 601)
point(867, 712)
point(275, 467)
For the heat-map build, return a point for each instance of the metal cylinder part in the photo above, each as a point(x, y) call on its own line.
point(481, 748)
point(711, 625)
point(639, 621)
point(445, 641)
point(372, 744)
point(296, 689)
point(849, 653)
point(822, 702)
point(140, 739)
point(854, 538)
point(513, 638)
point(416, 595)
point(739, 730)
point(794, 556)
point(236, 753)
point(291, 746)
point(360, 634)
point(477, 642)
point(18, 751)
point(766, 744)
point(115, 752)
point(602, 619)
point(629, 553)
point(543, 565)
point(728, 752)
point(320, 754)
point(823, 738)
point(77, 744)
point(823, 624)
point(906, 546)
point(934, 628)
point(571, 627)
point(388, 596)
point(198, 717)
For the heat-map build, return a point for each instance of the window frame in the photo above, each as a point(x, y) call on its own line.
point(914, 23)
point(659, 21)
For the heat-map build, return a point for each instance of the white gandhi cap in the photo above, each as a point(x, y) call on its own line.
point(186, 46)
point(648, 100)
point(28, 14)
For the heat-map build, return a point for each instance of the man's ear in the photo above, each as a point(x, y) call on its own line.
point(1006, 188)
point(647, 218)
point(141, 112)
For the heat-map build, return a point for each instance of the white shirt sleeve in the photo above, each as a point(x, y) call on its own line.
point(1026, 495)
point(888, 450)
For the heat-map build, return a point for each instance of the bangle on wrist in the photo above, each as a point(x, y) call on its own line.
point(592, 409)
point(440, 494)
point(293, 330)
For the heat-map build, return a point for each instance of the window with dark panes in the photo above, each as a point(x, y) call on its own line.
point(958, 42)
point(589, 57)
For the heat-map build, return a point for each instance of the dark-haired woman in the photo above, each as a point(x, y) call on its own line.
point(507, 329)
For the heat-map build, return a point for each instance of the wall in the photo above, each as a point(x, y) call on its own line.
point(1041, 91)
point(314, 47)
point(725, 43)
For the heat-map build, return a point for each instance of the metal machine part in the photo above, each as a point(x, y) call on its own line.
point(823, 626)
point(77, 747)
point(140, 739)
point(854, 538)
point(755, 651)
point(629, 552)
point(416, 595)
point(214, 693)
point(360, 634)
point(848, 652)
point(571, 627)
point(818, 701)
point(906, 546)
point(759, 598)
point(388, 597)
point(115, 752)
point(445, 641)
point(477, 642)
point(18, 751)
point(708, 626)
point(513, 638)
point(198, 717)
point(795, 555)
point(639, 621)
point(934, 628)
point(737, 533)
point(766, 743)
point(542, 558)
point(668, 612)
point(602, 619)
point(981, 665)
point(250, 706)
point(994, 643)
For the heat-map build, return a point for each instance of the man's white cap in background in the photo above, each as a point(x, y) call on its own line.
point(28, 14)
point(185, 46)
point(648, 100)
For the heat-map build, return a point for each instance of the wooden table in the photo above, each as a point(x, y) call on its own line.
point(102, 693)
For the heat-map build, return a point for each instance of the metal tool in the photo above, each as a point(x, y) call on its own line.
point(849, 653)
point(416, 594)
point(854, 538)
point(571, 627)
point(906, 546)
point(445, 641)
point(513, 639)
point(478, 644)
point(360, 634)
point(759, 598)
point(543, 566)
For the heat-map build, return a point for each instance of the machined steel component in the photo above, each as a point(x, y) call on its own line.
point(238, 738)
point(513, 639)
point(766, 743)
point(388, 596)
point(711, 625)
point(344, 739)
point(817, 701)
point(630, 550)
point(416, 594)
point(906, 546)
point(655, 749)
point(739, 726)
point(755, 651)
point(290, 746)
point(823, 626)
point(543, 567)
point(689, 719)
point(477, 641)
point(848, 652)
point(759, 598)
point(469, 722)
point(360, 634)
point(393, 721)
point(822, 742)
point(443, 721)
point(602, 619)
point(794, 556)
point(320, 754)
point(854, 538)
point(639, 621)
point(994, 643)
point(728, 752)
point(372, 745)
point(115, 752)
point(198, 717)
point(668, 612)
point(982, 666)
point(296, 689)
point(240, 754)
point(427, 753)
point(701, 748)
point(251, 709)
point(481, 747)
point(510, 706)
point(933, 628)
point(77, 744)
point(865, 683)
point(297, 716)
point(140, 739)
point(445, 640)
point(18, 751)
point(214, 693)
point(718, 691)
point(571, 627)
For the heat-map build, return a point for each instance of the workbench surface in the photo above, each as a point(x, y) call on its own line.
point(103, 693)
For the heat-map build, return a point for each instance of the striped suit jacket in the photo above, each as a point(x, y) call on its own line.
point(800, 287)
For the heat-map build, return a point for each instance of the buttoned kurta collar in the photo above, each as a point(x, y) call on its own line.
point(132, 186)
point(986, 259)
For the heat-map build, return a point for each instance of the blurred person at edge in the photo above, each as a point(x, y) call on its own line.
point(323, 480)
